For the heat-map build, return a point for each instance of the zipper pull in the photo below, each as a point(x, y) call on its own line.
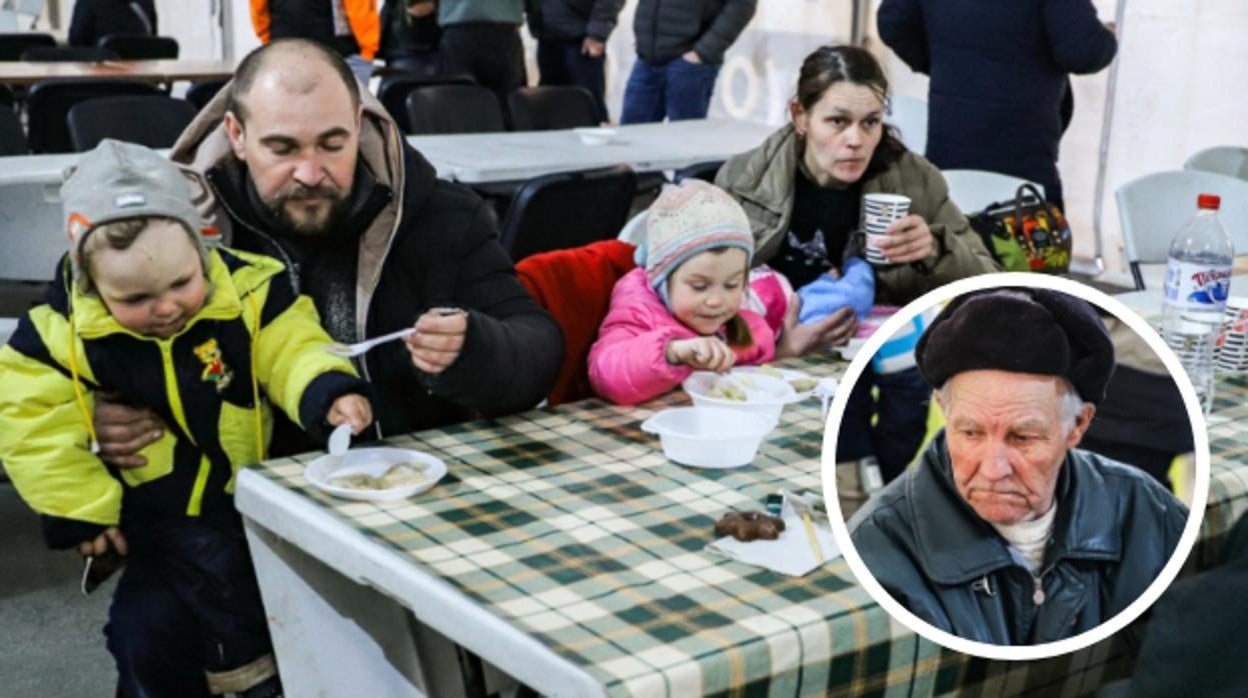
point(1037, 597)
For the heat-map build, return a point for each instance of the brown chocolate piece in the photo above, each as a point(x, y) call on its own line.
point(746, 526)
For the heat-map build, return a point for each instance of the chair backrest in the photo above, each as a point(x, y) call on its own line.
point(155, 121)
point(60, 54)
point(12, 139)
point(453, 109)
point(704, 171)
point(393, 91)
point(568, 209)
point(575, 286)
point(909, 115)
point(12, 46)
point(1152, 208)
point(32, 234)
point(551, 107)
point(634, 231)
point(201, 93)
point(974, 190)
point(49, 102)
point(140, 46)
point(1229, 160)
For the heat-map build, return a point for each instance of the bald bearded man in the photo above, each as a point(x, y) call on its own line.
point(306, 167)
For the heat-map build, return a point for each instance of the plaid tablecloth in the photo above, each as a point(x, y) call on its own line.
point(571, 525)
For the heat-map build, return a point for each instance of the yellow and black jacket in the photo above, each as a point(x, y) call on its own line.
point(253, 339)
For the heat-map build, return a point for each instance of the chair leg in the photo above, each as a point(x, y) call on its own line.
point(1137, 276)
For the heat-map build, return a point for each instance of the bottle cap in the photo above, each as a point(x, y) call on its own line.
point(1209, 201)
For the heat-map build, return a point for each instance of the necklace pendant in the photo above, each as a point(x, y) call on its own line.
point(1038, 596)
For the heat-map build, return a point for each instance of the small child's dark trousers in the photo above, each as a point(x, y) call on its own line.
point(187, 603)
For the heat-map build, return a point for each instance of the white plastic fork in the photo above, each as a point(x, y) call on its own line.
point(349, 350)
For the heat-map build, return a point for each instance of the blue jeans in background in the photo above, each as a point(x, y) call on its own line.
point(561, 62)
point(676, 90)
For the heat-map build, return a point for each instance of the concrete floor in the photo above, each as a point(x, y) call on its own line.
point(52, 635)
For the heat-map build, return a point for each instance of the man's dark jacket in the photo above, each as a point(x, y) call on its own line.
point(436, 245)
point(1114, 531)
point(574, 19)
point(666, 29)
point(998, 76)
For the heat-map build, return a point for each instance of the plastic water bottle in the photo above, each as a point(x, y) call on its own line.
point(1198, 280)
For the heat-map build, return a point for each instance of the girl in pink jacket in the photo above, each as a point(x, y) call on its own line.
point(681, 309)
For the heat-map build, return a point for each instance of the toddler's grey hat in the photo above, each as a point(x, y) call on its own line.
point(117, 181)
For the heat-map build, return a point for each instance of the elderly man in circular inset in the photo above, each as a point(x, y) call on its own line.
point(1004, 532)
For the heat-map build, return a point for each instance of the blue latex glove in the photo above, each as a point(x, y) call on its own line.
point(826, 295)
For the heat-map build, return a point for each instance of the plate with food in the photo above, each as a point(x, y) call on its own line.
point(376, 474)
point(803, 383)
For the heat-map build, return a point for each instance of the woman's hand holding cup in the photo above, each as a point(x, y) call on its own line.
point(907, 239)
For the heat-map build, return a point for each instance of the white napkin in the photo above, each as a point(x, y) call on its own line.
point(789, 554)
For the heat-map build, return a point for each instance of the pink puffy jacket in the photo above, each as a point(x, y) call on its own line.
point(626, 364)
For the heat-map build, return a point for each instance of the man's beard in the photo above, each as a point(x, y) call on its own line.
point(306, 226)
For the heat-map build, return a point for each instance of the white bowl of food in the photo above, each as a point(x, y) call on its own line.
point(375, 474)
point(595, 135)
point(709, 437)
point(747, 391)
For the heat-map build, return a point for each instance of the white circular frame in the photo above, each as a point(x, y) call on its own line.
point(1200, 493)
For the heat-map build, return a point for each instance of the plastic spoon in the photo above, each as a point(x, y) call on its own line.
point(349, 350)
point(340, 440)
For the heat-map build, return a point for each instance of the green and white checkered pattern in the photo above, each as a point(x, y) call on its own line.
point(571, 525)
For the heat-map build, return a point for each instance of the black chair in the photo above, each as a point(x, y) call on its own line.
point(49, 103)
point(568, 209)
point(60, 54)
point(394, 88)
point(155, 122)
point(201, 93)
point(454, 109)
point(6, 97)
point(138, 47)
point(551, 107)
point(12, 46)
point(704, 171)
point(12, 140)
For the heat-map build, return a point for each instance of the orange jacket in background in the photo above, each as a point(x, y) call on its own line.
point(362, 16)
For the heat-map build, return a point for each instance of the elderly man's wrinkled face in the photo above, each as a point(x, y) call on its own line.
point(1007, 441)
point(300, 140)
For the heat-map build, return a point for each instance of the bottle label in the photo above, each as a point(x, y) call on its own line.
point(1196, 286)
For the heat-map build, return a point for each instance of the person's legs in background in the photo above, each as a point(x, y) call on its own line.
point(589, 73)
point(644, 94)
point(901, 409)
point(552, 63)
point(689, 88)
point(491, 53)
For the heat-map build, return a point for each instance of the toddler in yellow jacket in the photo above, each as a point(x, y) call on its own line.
point(208, 338)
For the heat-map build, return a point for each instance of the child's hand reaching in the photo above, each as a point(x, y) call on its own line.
point(110, 538)
point(351, 409)
point(703, 353)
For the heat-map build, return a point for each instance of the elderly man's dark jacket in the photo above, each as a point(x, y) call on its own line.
point(426, 243)
point(1115, 529)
